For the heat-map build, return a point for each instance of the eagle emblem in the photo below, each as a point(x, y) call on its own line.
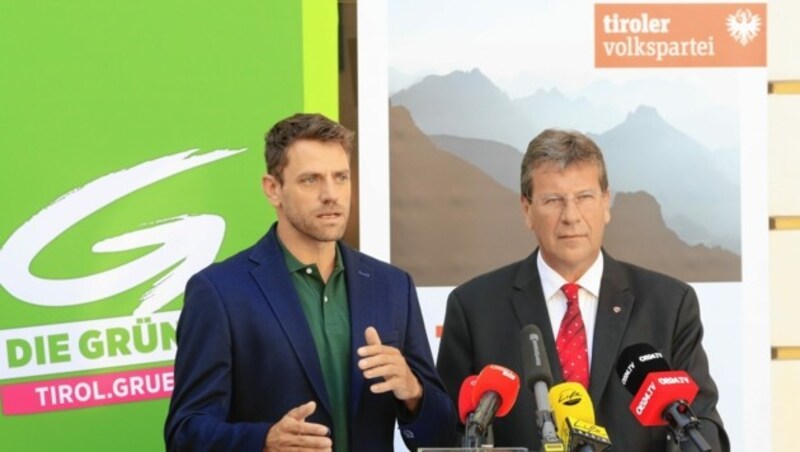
point(744, 26)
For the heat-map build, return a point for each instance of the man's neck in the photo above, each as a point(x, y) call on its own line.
point(309, 251)
point(570, 274)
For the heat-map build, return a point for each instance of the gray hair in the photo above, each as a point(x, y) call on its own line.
point(562, 148)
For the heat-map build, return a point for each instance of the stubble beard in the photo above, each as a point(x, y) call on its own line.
point(309, 226)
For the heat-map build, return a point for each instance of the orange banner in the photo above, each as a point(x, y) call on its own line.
point(680, 35)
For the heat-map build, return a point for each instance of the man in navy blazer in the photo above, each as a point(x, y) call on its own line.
point(565, 201)
point(271, 338)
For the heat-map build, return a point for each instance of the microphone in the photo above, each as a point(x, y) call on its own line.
point(465, 405)
point(661, 396)
point(574, 416)
point(538, 378)
point(493, 395)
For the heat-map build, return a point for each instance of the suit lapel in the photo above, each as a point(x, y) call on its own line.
point(530, 308)
point(273, 279)
point(613, 312)
point(360, 292)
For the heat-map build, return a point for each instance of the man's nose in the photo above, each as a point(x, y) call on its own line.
point(329, 191)
point(570, 213)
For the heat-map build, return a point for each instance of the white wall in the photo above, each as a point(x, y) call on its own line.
point(784, 199)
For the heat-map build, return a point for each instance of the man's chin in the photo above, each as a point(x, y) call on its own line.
point(319, 231)
point(327, 235)
point(330, 238)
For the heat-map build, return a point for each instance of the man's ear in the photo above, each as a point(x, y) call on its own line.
point(607, 206)
point(525, 203)
point(272, 189)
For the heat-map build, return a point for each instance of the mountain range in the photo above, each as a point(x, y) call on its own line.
point(451, 220)
point(466, 104)
point(698, 188)
point(646, 153)
point(603, 103)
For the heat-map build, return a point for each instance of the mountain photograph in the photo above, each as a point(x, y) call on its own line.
point(465, 104)
point(456, 144)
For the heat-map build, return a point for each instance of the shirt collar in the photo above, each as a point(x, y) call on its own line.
point(552, 281)
point(294, 264)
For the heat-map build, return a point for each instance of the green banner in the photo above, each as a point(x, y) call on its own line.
point(132, 149)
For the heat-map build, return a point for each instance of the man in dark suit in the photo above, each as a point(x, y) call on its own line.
point(566, 203)
point(301, 343)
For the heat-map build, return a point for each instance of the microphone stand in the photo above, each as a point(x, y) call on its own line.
point(683, 423)
point(471, 437)
point(474, 436)
point(544, 419)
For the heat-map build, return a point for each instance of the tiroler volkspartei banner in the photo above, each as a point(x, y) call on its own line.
point(674, 93)
point(132, 149)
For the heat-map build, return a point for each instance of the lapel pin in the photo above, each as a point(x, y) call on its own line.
point(616, 309)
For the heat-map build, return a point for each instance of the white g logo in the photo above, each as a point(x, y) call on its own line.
point(191, 241)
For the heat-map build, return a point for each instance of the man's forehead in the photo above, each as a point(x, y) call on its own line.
point(309, 145)
point(316, 153)
point(553, 175)
point(553, 166)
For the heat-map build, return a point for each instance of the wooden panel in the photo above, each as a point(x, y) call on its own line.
point(784, 87)
point(784, 223)
point(786, 353)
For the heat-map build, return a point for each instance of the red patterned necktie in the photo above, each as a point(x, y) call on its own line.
point(571, 341)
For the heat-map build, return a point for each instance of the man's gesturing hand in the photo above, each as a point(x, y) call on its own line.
point(293, 433)
point(383, 361)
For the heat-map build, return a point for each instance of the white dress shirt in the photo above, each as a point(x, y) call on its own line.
point(587, 296)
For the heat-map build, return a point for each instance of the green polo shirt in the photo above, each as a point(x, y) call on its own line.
point(328, 314)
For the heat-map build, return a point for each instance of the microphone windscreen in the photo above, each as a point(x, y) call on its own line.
point(571, 399)
point(465, 405)
point(659, 391)
point(534, 357)
point(573, 413)
point(500, 380)
point(636, 362)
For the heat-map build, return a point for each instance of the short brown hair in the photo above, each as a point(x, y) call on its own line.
point(563, 148)
point(301, 126)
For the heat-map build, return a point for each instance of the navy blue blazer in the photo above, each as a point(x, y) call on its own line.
point(246, 356)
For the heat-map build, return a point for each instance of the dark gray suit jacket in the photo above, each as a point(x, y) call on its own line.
point(484, 317)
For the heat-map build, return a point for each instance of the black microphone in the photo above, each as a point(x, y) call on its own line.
point(538, 378)
point(661, 396)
